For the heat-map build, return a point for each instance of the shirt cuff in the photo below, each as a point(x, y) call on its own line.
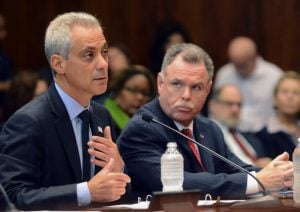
point(252, 185)
point(83, 194)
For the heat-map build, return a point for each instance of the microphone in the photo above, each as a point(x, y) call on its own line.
point(10, 206)
point(266, 201)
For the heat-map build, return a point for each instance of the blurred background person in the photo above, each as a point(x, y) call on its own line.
point(6, 67)
point(130, 91)
point(256, 79)
point(225, 108)
point(118, 59)
point(281, 132)
point(168, 34)
point(26, 85)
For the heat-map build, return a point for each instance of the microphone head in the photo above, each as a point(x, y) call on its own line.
point(147, 118)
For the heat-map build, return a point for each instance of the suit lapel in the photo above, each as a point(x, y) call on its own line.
point(65, 131)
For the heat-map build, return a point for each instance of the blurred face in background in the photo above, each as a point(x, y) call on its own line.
point(41, 86)
point(287, 98)
point(174, 38)
point(135, 93)
point(117, 60)
point(227, 107)
point(242, 53)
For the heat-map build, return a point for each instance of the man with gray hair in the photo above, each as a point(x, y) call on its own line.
point(58, 151)
point(183, 85)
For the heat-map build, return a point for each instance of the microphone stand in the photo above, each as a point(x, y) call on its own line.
point(267, 201)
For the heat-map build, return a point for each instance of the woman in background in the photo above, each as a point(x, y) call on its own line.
point(131, 89)
point(281, 132)
point(24, 87)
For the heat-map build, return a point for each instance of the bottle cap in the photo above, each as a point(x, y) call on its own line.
point(172, 144)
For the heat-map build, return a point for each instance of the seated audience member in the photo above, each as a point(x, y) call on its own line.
point(225, 108)
point(183, 85)
point(282, 131)
point(45, 159)
point(24, 87)
point(168, 34)
point(130, 91)
point(254, 77)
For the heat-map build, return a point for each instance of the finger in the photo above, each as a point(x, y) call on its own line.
point(284, 156)
point(282, 163)
point(107, 133)
point(102, 155)
point(109, 166)
point(99, 163)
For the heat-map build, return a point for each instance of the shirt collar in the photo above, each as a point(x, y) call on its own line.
point(72, 106)
point(181, 127)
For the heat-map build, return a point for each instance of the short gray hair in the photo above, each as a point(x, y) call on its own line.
point(58, 34)
point(190, 53)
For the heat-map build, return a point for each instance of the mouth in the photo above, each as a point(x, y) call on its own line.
point(184, 109)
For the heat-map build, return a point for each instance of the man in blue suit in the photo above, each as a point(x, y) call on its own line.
point(41, 154)
point(183, 84)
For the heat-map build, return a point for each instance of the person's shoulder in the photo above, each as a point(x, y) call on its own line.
point(270, 67)
point(225, 74)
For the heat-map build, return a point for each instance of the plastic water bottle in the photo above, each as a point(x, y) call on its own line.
point(172, 168)
point(296, 161)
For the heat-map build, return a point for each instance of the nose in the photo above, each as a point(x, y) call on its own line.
point(187, 93)
point(102, 62)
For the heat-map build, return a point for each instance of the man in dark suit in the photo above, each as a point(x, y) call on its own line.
point(183, 85)
point(225, 109)
point(41, 154)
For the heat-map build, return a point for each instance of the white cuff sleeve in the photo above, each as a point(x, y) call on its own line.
point(83, 194)
point(252, 185)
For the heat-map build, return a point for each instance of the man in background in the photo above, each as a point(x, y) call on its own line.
point(225, 108)
point(254, 77)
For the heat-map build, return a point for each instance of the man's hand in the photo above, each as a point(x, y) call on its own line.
point(103, 149)
point(278, 174)
point(107, 186)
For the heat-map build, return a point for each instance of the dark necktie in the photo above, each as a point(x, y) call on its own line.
point(86, 166)
point(242, 145)
point(194, 149)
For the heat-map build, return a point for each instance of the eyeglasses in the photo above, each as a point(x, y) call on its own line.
point(136, 91)
point(230, 103)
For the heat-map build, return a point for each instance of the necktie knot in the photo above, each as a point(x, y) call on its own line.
point(187, 132)
point(84, 116)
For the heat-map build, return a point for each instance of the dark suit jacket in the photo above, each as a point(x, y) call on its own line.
point(276, 143)
point(142, 144)
point(39, 159)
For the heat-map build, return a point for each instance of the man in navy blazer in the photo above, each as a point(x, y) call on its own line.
point(40, 145)
point(183, 85)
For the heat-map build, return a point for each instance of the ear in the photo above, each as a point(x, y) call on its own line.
point(57, 63)
point(160, 81)
point(209, 86)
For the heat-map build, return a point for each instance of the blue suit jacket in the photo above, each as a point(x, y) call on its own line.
point(142, 144)
point(39, 159)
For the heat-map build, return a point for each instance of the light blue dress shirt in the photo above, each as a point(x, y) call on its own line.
point(74, 109)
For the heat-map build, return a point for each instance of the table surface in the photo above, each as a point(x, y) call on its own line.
point(288, 204)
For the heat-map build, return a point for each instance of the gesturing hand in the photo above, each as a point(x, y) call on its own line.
point(103, 149)
point(107, 186)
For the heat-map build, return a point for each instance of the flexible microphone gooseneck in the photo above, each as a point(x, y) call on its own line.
point(272, 201)
point(10, 206)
